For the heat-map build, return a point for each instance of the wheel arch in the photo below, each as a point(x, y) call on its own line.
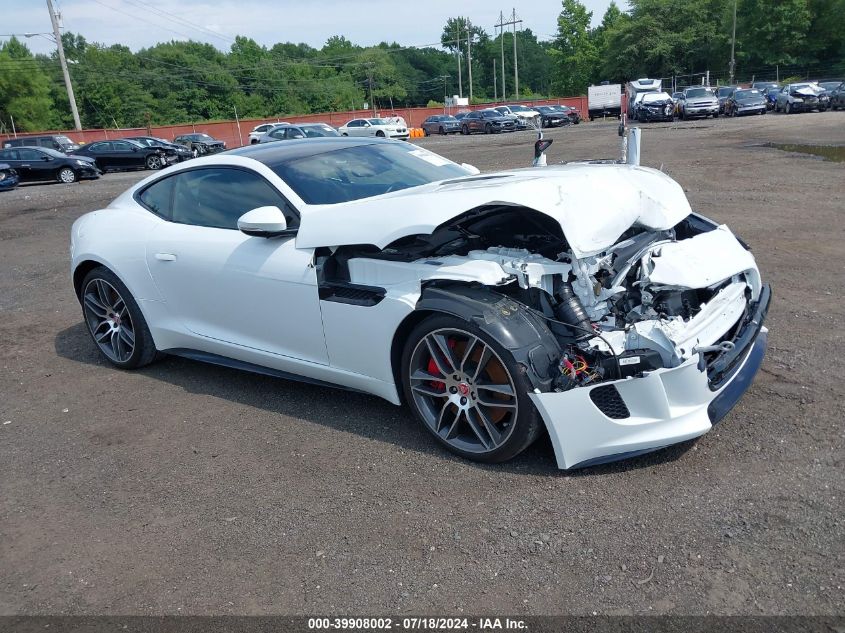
point(502, 318)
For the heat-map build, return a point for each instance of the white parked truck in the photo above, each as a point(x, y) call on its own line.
point(604, 100)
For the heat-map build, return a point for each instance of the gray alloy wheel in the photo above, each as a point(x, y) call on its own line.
point(488, 129)
point(114, 320)
point(463, 391)
point(788, 108)
point(67, 175)
point(109, 321)
point(464, 130)
point(195, 152)
point(154, 161)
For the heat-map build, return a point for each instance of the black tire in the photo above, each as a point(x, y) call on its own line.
point(379, 134)
point(464, 130)
point(144, 351)
point(253, 141)
point(154, 161)
point(442, 131)
point(66, 175)
point(519, 430)
point(344, 134)
point(788, 108)
point(425, 131)
point(488, 129)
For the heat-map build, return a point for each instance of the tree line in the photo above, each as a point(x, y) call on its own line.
point(186, 81)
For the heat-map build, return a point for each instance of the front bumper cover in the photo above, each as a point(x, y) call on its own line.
point(663, 407)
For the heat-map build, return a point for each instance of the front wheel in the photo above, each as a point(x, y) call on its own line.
point(788, 108)
point(154, 161)
point(488, 129)
point(114, 320)
point(468, 391)
point(442, 131)
point(380, 134)
point(66, 175)
point(464, 130)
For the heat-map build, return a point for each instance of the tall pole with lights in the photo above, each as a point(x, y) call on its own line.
point(76, 122)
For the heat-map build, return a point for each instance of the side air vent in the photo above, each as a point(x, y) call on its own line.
point(609, 402)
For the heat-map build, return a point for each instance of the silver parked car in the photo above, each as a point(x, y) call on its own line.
point(802, 97)
point(304, 130)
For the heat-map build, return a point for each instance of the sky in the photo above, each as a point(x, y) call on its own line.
point(143, 23)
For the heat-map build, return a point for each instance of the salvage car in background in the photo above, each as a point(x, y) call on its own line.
point(441, 124)
point(488, 121)
point(200, 144)
point(34, 164)
point(655, 106)
point(123, 154)
point(173, 150)
point(698, 102)
point(525, 116)
point(260, 130)
point(291, 131)
point(8, 177)
point(745, 101)
point(551, 117)
point(493, 305)
point(377, 127)
point(801, 97)
point(837, 97)
point(58, 142)
point(723, 93)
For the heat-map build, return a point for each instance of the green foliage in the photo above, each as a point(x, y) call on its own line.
point(187, 81)
point(24, 89)
point(574, 50)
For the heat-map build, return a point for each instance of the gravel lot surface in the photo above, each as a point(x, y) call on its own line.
point(187, 488)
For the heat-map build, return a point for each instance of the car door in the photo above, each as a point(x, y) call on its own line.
point(223, 285)
point(127, 155)
point(12, 157)
point(41, 166)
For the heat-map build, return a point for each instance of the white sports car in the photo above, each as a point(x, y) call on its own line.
point(586, 299)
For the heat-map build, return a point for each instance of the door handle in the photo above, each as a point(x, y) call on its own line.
point(166, 257)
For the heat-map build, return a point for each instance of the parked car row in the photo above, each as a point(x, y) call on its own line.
point(54, 157)
point(701, 101)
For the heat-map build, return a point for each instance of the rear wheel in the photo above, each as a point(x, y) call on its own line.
point(66, 175)
point(464, 130)
point(468, 391)
point(114, 320)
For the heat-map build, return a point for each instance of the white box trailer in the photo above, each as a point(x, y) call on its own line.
point(604, 100)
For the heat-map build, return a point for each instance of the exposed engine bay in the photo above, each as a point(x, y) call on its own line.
point(652, 300)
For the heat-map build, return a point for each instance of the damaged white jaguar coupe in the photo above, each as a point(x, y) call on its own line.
point(584, 299)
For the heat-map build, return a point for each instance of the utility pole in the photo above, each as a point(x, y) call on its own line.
point(503, 24)
point(469, 59)
point(515, 71)
point(458, 43)
point(445, 91)
point(733, 47)
point(76, 122)
point(370, 81)
point(495, 88)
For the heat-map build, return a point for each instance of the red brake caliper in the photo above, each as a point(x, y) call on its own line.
point(435, 371)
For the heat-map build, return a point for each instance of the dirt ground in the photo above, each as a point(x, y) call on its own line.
point(187, 488)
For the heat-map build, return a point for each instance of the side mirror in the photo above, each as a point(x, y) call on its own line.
point(263, 222)
point(471, 169)
point(367, 124)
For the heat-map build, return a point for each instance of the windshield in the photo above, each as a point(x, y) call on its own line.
point(747, 94)
point(830, 85)
point(64, 140)
point(725, 91)
point(519, 108)
point(315, 131)
point(656, 96)
point(699, 92)
point(50, 151)
point(363, 171)
point(491, 114)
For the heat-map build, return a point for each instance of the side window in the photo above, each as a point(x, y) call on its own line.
point(121, 146)
point(278, 133)
point(217, 197)
point(101, 147)
point(9, 154)
point(294, 133)
point(29, 154)
point(157, 197)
